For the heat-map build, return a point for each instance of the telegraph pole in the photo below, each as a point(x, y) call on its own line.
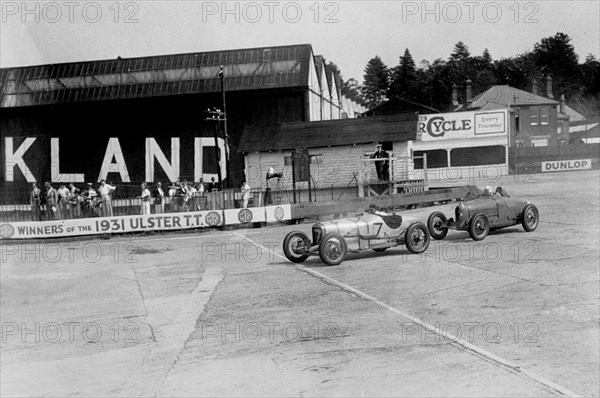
point(215, 115)
point(222, 76)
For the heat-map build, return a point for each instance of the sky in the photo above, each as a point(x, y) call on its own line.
point(348, 33)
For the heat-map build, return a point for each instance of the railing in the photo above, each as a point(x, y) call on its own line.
point(125, 201)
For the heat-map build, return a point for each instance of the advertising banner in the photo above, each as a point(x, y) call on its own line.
point(444, 126)
point(278, 213)
point(244, 216)
point(102, 225)
point(566, 165)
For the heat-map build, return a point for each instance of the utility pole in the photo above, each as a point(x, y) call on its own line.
point(222, 76)
point(215, 115)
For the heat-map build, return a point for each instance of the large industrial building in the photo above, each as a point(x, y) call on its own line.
point(130, 120)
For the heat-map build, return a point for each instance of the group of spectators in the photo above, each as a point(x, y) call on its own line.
point(49, 203)
point(66, 202)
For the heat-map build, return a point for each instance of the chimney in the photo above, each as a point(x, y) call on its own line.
point(468, 99)
point(534, 87)
point(454, 94)
point(562, 105)
point(549, 87)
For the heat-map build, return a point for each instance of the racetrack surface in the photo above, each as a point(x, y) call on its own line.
point(222, 313)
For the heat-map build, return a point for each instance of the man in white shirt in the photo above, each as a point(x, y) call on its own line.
point(105, 190)
point(146, 199)
point(245, 194)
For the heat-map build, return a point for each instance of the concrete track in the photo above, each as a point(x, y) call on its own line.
point(222, 313)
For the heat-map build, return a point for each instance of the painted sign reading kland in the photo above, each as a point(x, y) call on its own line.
point(566, 165)
point(447, 126)
point(31, 159)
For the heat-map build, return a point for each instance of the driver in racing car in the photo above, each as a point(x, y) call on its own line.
point(374, 209)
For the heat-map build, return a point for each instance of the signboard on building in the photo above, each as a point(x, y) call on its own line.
point(445, 126)
point(567, 165)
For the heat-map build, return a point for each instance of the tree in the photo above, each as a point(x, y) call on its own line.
point(376, 81)
point(404, 79)
point(555, 56)
point(460, 52)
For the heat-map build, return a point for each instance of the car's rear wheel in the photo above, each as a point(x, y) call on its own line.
point(435, 224)
point(530, 218)
point(333, 249)
point(417, 238)
point(479, 226)
point(295, 246)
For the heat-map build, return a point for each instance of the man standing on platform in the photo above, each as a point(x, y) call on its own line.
point(105, 192)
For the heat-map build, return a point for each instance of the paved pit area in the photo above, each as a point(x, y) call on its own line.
point(222, 313)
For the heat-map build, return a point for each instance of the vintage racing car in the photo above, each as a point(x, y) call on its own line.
point(485, 212)
point(334, 239)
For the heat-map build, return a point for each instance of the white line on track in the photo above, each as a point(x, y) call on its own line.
point(461, 343)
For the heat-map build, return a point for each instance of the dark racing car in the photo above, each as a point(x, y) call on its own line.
point(486, 212)
point(332, 240)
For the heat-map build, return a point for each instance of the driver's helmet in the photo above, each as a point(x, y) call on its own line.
point(488, 191)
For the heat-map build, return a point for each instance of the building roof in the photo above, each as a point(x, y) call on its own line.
point(288, 136)
point(399, 105)
point(122, 78)
point(499, 97)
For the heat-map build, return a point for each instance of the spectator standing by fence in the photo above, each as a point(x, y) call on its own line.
point(63, 200)
point(159, 199)
point(74, 202)
point(35, 200)
point(106, 191)
point(245, 194)
point(51, 202)
point(146, 199)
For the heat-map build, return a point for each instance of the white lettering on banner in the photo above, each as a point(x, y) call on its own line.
point(55, 175)
point(14, 159)
point(565, 165)
point(153, 151)
point(114, 151)
point(199, 144)
point(462, 125)
point(153, 222)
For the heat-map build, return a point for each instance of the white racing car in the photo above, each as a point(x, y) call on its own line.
point(334, 239)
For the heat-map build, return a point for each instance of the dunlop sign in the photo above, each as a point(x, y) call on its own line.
point(565, 165)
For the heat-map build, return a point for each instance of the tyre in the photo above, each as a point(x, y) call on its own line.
point(530, 218)
point(434, 225)
point(417, 238)
point(295, 246)
point(479, 227)
point(333, 249)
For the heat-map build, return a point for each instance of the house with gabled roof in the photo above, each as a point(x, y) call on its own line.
point(535, 120)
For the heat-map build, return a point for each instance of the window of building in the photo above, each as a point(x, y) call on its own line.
point(534, 117)
point(478, 156)
point(316, 159)
point(544, 116)
point(539, 141)
point(517, 124)
point(435, 159)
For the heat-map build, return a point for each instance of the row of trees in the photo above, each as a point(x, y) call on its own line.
point(430, 83)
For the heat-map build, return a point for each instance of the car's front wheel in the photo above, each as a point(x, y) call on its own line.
point(417, 238)
point(479, 227)
point(435, 223)
point(530, 218)
point(333, 249)
point(295, 246)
